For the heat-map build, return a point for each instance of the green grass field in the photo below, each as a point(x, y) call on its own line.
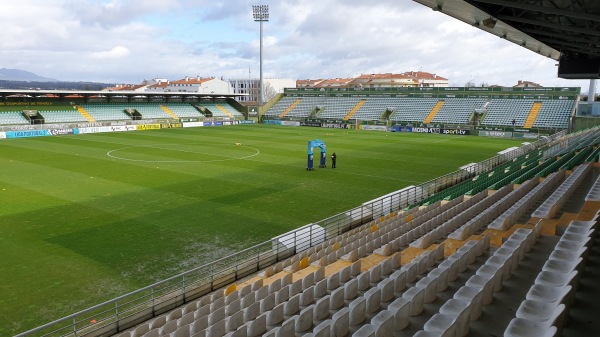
point(86, 218)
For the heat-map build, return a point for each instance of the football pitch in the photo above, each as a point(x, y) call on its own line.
point(86, 218)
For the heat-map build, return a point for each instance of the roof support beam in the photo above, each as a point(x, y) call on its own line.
point(532, 31)
point(541, 9)
point(507, 18)
point(574, 45)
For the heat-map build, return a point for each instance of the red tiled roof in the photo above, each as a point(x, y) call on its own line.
point(335, 82)
point(192, 80)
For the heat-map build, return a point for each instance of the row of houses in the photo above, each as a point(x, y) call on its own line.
point(248, 88)
point(387, 80)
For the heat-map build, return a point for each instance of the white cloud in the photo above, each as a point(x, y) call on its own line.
point(132, 40)
point(115, 53)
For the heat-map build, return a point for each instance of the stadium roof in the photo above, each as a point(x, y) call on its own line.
point(553, 28)
point(4, 93)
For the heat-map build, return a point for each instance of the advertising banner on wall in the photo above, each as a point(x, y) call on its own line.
point(335, 125)
point(526, 135)
point(276, 122)
point(489, 128)
point(121, 128)
point(426, 130)
point(313, 124)
point(148, 127)
point(501, 134)
point(192, 124)
point(457, 132)
point(27, 133)
point(93, 130)
point(374, 127)
point(57, 132)
point(21, 127)
point(400, 128)
point(2, 135)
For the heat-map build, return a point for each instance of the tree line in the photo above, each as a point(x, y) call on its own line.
point(53, 85)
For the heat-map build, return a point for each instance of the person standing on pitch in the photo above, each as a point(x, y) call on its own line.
point(333, 160)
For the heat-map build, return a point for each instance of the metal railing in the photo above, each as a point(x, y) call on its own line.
point(126, 311)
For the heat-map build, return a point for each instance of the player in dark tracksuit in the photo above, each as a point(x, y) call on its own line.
point(333, 160)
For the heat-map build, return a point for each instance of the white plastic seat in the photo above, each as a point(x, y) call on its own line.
point(486, 282)
point(555, 279)
point(416, 295)
point(580, 228)
point(186, 319)
point(411, 271)
point(384, 323)
point(358, 308)
point(503, 263)
point(366, 330)
point(452, 266)
point(462, 311)
point(568, 255)
point(494, 270)
point(441, 274)
point(423, 262)
point(473, 295)
point(340, 322)
point(430, 285)
point(572, 245)
point(387, 289)
point(443, 325)
point(461, 260)
point(373, 298)
point(141, 330)
point(521, 327)
point(546, 293)
point(401, 310)
point(183, 331)
point(158, 322)
point(510, 254)
point(561, 266)
point(539, 311)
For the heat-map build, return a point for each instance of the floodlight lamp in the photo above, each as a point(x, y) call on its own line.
point(260, 12)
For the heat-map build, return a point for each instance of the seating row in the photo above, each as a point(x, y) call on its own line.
point(543, 309)
point(594, 192)
point(523, 202)
point(551, 205)
point(394, 261)
point(467, 303)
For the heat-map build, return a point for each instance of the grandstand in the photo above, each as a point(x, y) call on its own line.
point(221, 109)
point(498, 249)
point(12, 118)
point(530, 108)
point(77, 110)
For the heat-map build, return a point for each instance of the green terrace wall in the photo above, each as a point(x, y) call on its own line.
point(545, 93)
point(582, 123)
point(41, 105)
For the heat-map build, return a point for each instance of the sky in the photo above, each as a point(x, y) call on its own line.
point(128, 41)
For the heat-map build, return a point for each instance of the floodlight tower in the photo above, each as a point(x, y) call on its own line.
point(261, 14)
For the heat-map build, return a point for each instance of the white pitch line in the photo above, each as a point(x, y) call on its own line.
point(227, 158)
point(445, 140)
point(266, 162)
